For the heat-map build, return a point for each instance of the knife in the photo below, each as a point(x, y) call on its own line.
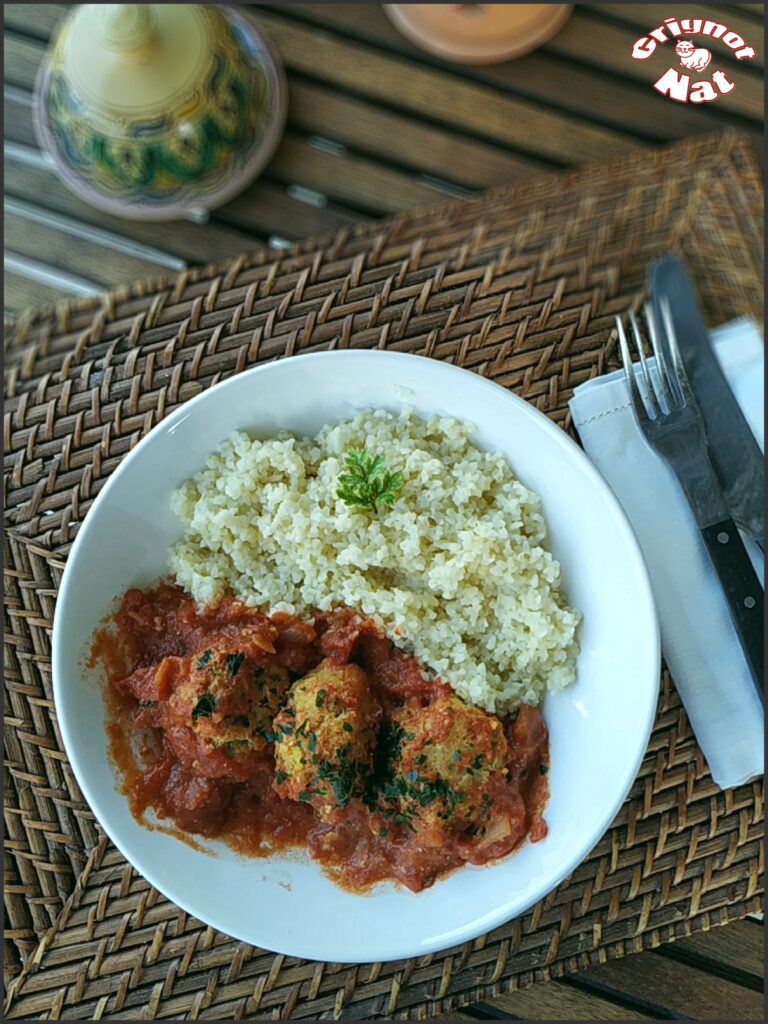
point(734, 452)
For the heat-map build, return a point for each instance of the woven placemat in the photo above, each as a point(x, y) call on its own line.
point(519, 285)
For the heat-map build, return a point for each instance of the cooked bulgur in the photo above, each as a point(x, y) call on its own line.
point(455, 571)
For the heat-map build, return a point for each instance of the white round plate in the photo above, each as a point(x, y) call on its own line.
point(599, 727)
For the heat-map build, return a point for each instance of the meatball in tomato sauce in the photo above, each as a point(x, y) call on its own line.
point(325, 737)
point(449, 777)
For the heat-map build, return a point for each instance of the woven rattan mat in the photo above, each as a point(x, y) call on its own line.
point(520, 285)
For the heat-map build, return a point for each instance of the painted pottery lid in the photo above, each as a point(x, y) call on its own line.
point(477, 33)
point(138, 59)
point(159, 110)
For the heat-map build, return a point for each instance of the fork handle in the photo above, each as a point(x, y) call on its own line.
point(742, 591)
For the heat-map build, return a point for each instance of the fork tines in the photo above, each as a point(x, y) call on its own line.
point(664, 387)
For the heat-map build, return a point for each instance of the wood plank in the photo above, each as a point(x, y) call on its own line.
point(584, 37)
point(17, 116)
point(21, 292)
point(603, 45)
point(93, 258)
point(22, 59)
point(350, 179)
point(31, 283)
point(356, 122)
point(441, 96)
point(558, 1000)
point(544, 77)
point(524, 125)
point(268, 209)
point(663, 986)
point(735, 949)
point(38, 20)
point(593, 94)
point(648, 16)
point(35, 182)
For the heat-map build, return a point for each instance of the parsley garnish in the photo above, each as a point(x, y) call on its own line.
point(367, 482)
point(319, 698)
point(234, 661)
point(342, 774)
point(280, 777)
point(204, 707)
point(204, 658)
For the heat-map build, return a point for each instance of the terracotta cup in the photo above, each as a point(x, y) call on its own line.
point(478, 33)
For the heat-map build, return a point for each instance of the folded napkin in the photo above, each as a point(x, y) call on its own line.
point(699, 642)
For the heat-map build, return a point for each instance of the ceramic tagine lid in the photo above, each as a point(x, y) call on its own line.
point(159, 110)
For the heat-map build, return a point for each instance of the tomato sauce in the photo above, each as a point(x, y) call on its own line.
point(146, 649)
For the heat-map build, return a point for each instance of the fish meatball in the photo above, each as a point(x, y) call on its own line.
point(441, 760)
point(229, 700)
point(325, 736)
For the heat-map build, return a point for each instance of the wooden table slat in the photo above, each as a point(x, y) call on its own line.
point(23, 287)
point(526, 126)
point(432, 149)
point(28, 237)
point(45, 20)
point(351, 179)
point(420, 89)
point(28, 178)
point(543, 76)
point(665, 987)
point(737, 951)
point(561, 1000)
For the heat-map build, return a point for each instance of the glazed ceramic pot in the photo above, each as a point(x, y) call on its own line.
point(159, 110)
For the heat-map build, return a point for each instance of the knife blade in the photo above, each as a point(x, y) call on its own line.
point(734, 452)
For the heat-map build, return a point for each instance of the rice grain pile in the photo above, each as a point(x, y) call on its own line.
point(455, 571)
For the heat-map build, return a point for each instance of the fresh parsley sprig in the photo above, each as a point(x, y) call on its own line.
point(367, 482)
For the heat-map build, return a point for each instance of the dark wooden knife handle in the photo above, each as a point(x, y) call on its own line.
point(742, 591)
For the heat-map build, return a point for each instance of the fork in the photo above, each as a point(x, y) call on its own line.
point(670, 421)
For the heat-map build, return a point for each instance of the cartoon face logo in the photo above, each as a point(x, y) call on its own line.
point(691, 57)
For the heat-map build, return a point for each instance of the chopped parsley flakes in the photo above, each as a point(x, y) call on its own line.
point(204, 707)
point(234, 661)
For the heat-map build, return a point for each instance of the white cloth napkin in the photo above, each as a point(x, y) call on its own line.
point(699, 641)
